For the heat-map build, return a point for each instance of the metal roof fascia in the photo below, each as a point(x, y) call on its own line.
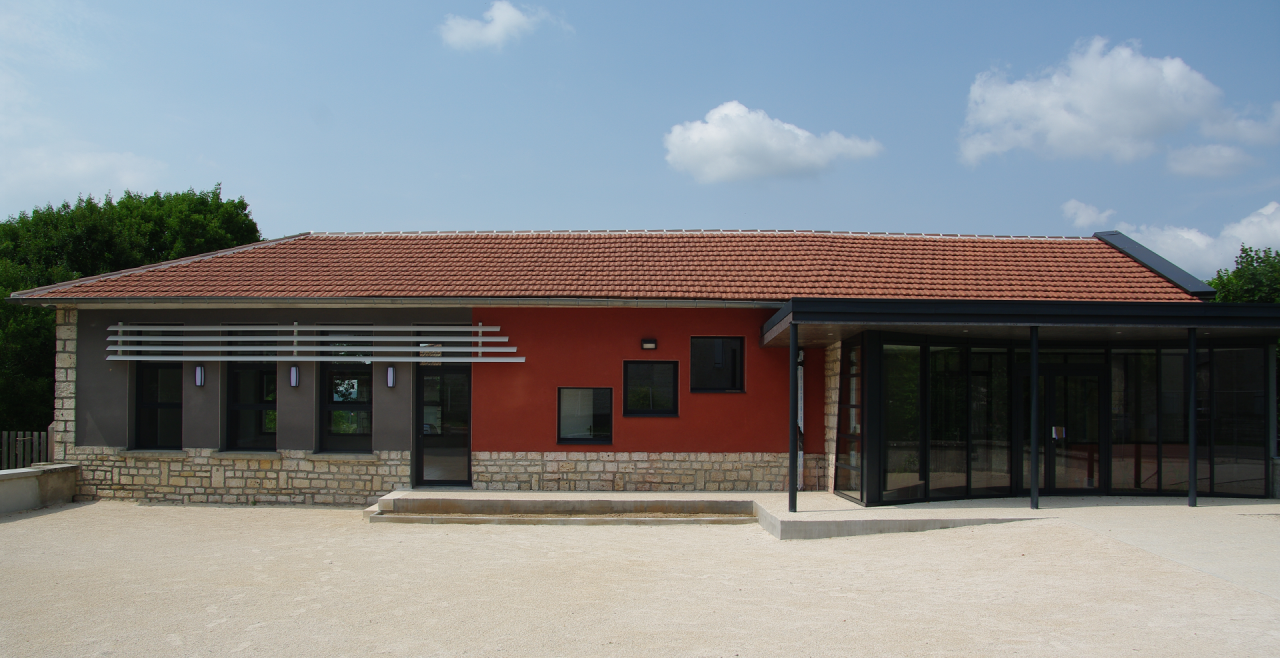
point(1022, 313)
point(1158, 264)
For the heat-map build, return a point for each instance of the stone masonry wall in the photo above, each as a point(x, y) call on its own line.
point(198, 475)
point(63, 428)
point(639, 471)
point(831, 412)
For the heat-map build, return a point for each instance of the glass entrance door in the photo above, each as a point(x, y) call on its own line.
point(1072, 431)
point(444, 425)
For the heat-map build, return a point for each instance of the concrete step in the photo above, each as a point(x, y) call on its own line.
point(559, 519)
point(585, 509)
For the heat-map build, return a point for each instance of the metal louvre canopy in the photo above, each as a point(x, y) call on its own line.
point(308, 343)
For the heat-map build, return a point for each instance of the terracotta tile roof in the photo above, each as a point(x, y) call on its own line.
point(711, 265)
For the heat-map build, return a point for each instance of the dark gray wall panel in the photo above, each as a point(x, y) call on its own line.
point(202, 417)
point(393, 408)
point(102, 387)
point(296, 413)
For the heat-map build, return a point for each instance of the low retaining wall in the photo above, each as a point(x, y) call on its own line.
point(640, 471)
point(200, 475)
point(38, 485)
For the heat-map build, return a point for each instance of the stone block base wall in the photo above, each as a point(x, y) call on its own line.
point(207, 476)
point(640, 471)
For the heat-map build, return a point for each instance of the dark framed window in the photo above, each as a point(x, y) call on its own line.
point(346, 407)
point(585, 415)
point(715, 364)
point(158, 406)
point(650, 388)
point(251, 406)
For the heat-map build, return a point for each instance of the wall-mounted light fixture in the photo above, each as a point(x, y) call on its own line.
point(648, 343)
point(391, 376)
point(293, 376)
point(199, 375)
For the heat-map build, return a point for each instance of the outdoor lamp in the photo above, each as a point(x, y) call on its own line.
point(293, 376)
point(391, 376)
point(199, 375)
point(648, 343)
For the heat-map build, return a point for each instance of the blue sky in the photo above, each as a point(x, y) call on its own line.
point(1019, 118)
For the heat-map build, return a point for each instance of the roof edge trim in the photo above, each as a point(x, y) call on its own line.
point(1158, 264)
point(20, 294)
point(402, 302)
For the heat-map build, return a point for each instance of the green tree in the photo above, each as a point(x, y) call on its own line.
point(1256, 278)
point(54, 244)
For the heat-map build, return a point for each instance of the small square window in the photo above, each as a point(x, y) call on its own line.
point(715, 365)
point(650, 388)
point(586, 415)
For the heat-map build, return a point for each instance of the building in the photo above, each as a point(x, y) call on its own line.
point(333, 368)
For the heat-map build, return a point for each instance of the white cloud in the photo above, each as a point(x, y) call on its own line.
point(1248, 131)
point(736, 143)
point(1083, 215)
point(1113, 103)
point(1203, 255)
point(1213, 160)
point(502, 23)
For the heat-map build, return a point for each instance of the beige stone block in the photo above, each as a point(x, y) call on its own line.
point(65, 331)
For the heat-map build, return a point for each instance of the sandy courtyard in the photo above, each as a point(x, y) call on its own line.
point(116, 579)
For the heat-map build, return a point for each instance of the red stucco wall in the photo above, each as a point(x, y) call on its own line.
point(514, 404)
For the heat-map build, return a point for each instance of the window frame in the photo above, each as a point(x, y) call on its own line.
point(675, 390)
point(139, 406)
point(560, 437)
point(233, 407)
point(742, 365)
point(327, 406)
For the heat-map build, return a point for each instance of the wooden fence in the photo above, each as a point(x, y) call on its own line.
point(21, 449)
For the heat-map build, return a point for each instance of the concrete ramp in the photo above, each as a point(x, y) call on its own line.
point(827, 528)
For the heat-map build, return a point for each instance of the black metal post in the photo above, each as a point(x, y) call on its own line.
point(1035, 418)
point(795, 419)
point(1193, 479)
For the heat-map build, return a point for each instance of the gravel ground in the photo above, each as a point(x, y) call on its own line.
point(120, 579)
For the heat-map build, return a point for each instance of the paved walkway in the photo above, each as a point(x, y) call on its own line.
point(1128, 577)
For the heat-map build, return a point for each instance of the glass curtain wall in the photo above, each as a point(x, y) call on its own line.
point(989, 436)
point(1114, 421)
point(904, 460)
point(1135, 459)
point(1239, 421)
point(948, 413)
